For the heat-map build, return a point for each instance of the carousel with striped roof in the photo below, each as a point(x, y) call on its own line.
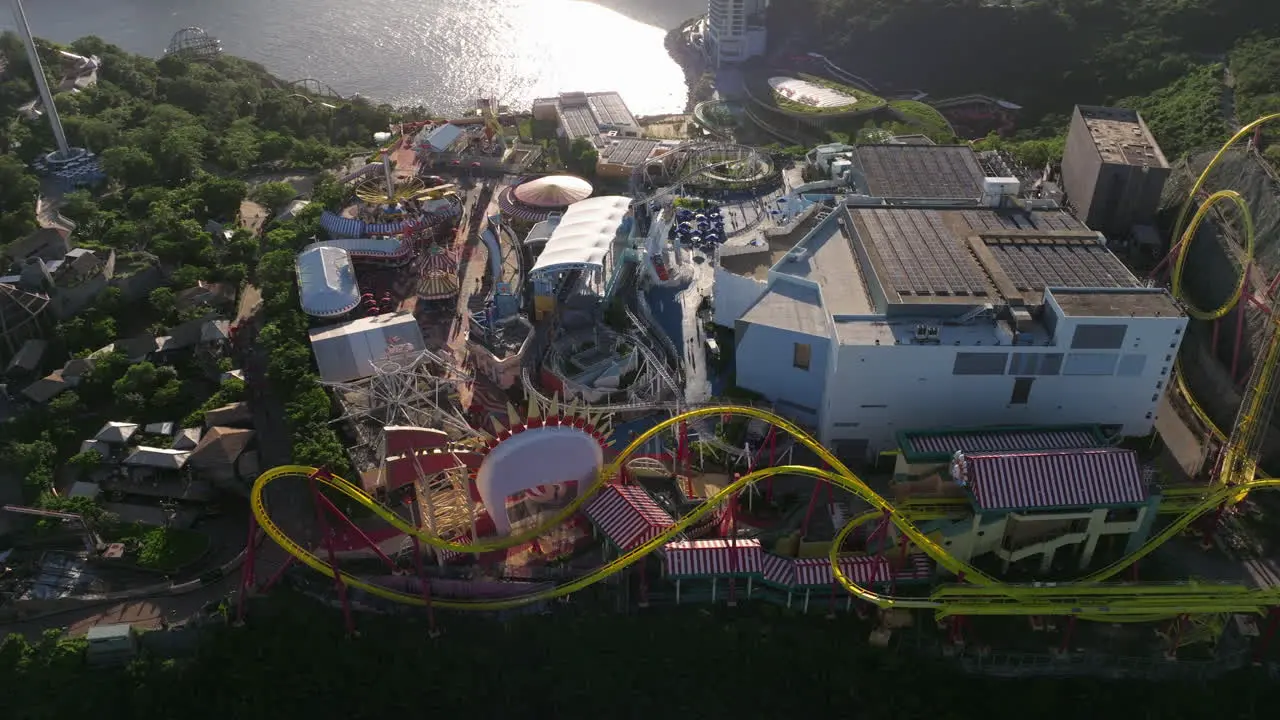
point(391, 243)
point(535, 199)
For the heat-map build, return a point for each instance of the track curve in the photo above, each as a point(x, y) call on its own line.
point(982, 594)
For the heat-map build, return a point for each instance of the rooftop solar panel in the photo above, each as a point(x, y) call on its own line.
point(921, 171)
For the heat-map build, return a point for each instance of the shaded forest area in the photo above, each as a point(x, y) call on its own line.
point(292, 661)
point(1166, 56)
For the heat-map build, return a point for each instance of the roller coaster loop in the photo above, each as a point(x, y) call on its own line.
point(1184, 232)
point(979, 594)
point(983, 594)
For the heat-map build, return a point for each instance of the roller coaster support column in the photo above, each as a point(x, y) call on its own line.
point(423, 580)
point(683, 462)
point(323, 526)
point(247, 579)
point(733, 546)
point(1067, 635)
point(1240, 312)
point(275, 577)
point(364, 538)
point(773, 457)
point(813, 503)
point(1213, 343)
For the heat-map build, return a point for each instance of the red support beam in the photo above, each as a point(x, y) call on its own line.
point(1213, 344)
point(733, 549)
point(275, 577)
point(364, 538)
point(808, 513)
point(773, 459)
point(1239, 339)
point(1066, 636)
point(323, 526)
point(247, 579)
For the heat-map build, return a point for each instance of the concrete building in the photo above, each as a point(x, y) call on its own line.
point(735, 31)
point(866, 318)
point(588, 115)
point(1112, 169)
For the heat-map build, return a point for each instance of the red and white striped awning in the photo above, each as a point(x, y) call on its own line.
point(705, 558)
point(627, 515)
point(777, 570)
point(863, 570)
point(1063, 478)
point(951, 443)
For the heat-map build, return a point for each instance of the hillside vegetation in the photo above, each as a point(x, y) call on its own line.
point(1048, 55)
point(291, 661)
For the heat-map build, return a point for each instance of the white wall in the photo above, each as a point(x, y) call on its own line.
point(876, 391)
point(764, 363)
point(733, 295)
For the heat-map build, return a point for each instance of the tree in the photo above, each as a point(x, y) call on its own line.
point(163, 300)
point(582, 158)
point(274, 195)
point(221, 197)
point(18, 189)
point(129, 166)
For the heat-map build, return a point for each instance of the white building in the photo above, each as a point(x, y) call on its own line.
point(735, 30)
point(868, 319)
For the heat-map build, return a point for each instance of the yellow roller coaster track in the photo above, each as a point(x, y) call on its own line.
point(1086, 597)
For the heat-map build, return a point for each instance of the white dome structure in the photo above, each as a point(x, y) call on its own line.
point(553, 191)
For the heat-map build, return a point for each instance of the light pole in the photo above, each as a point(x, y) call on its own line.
point(42, 83)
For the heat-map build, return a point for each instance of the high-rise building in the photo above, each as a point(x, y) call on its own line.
point(735, 30)
point(1112, 169)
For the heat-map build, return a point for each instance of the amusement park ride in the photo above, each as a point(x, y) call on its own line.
point(551, 432)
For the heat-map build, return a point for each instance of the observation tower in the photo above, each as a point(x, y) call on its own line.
point(71, 166)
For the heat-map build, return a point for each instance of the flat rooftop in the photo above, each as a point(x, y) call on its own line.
point(827, 258)
point(629, 152)
point(578, 122)
point(790, 306)
point(1140, 302)
point(1121, 136)
point(978, 255)
point(609, 109)
point(936, 172)
point(755, 260)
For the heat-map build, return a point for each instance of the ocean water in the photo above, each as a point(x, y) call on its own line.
point(434, 53)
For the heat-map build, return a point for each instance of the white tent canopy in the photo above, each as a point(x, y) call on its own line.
point(584, 235)
point(327, 282)
point(350, 351)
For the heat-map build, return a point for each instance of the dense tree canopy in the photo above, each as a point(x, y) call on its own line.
point(292, 661)
point(1048, 55)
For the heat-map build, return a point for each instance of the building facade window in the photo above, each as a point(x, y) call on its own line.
point(801, 356)
point(1021, 390)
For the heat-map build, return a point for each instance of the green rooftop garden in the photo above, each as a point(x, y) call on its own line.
point(926, 117)
point(859, 101)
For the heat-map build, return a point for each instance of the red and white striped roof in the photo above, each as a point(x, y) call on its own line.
point(861, 569)
point(700, 558)
point(627, 515)
point(777, 570)
point(951, 443)
point(1060, 478)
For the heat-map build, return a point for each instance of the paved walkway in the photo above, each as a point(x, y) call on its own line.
point(697, 378)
